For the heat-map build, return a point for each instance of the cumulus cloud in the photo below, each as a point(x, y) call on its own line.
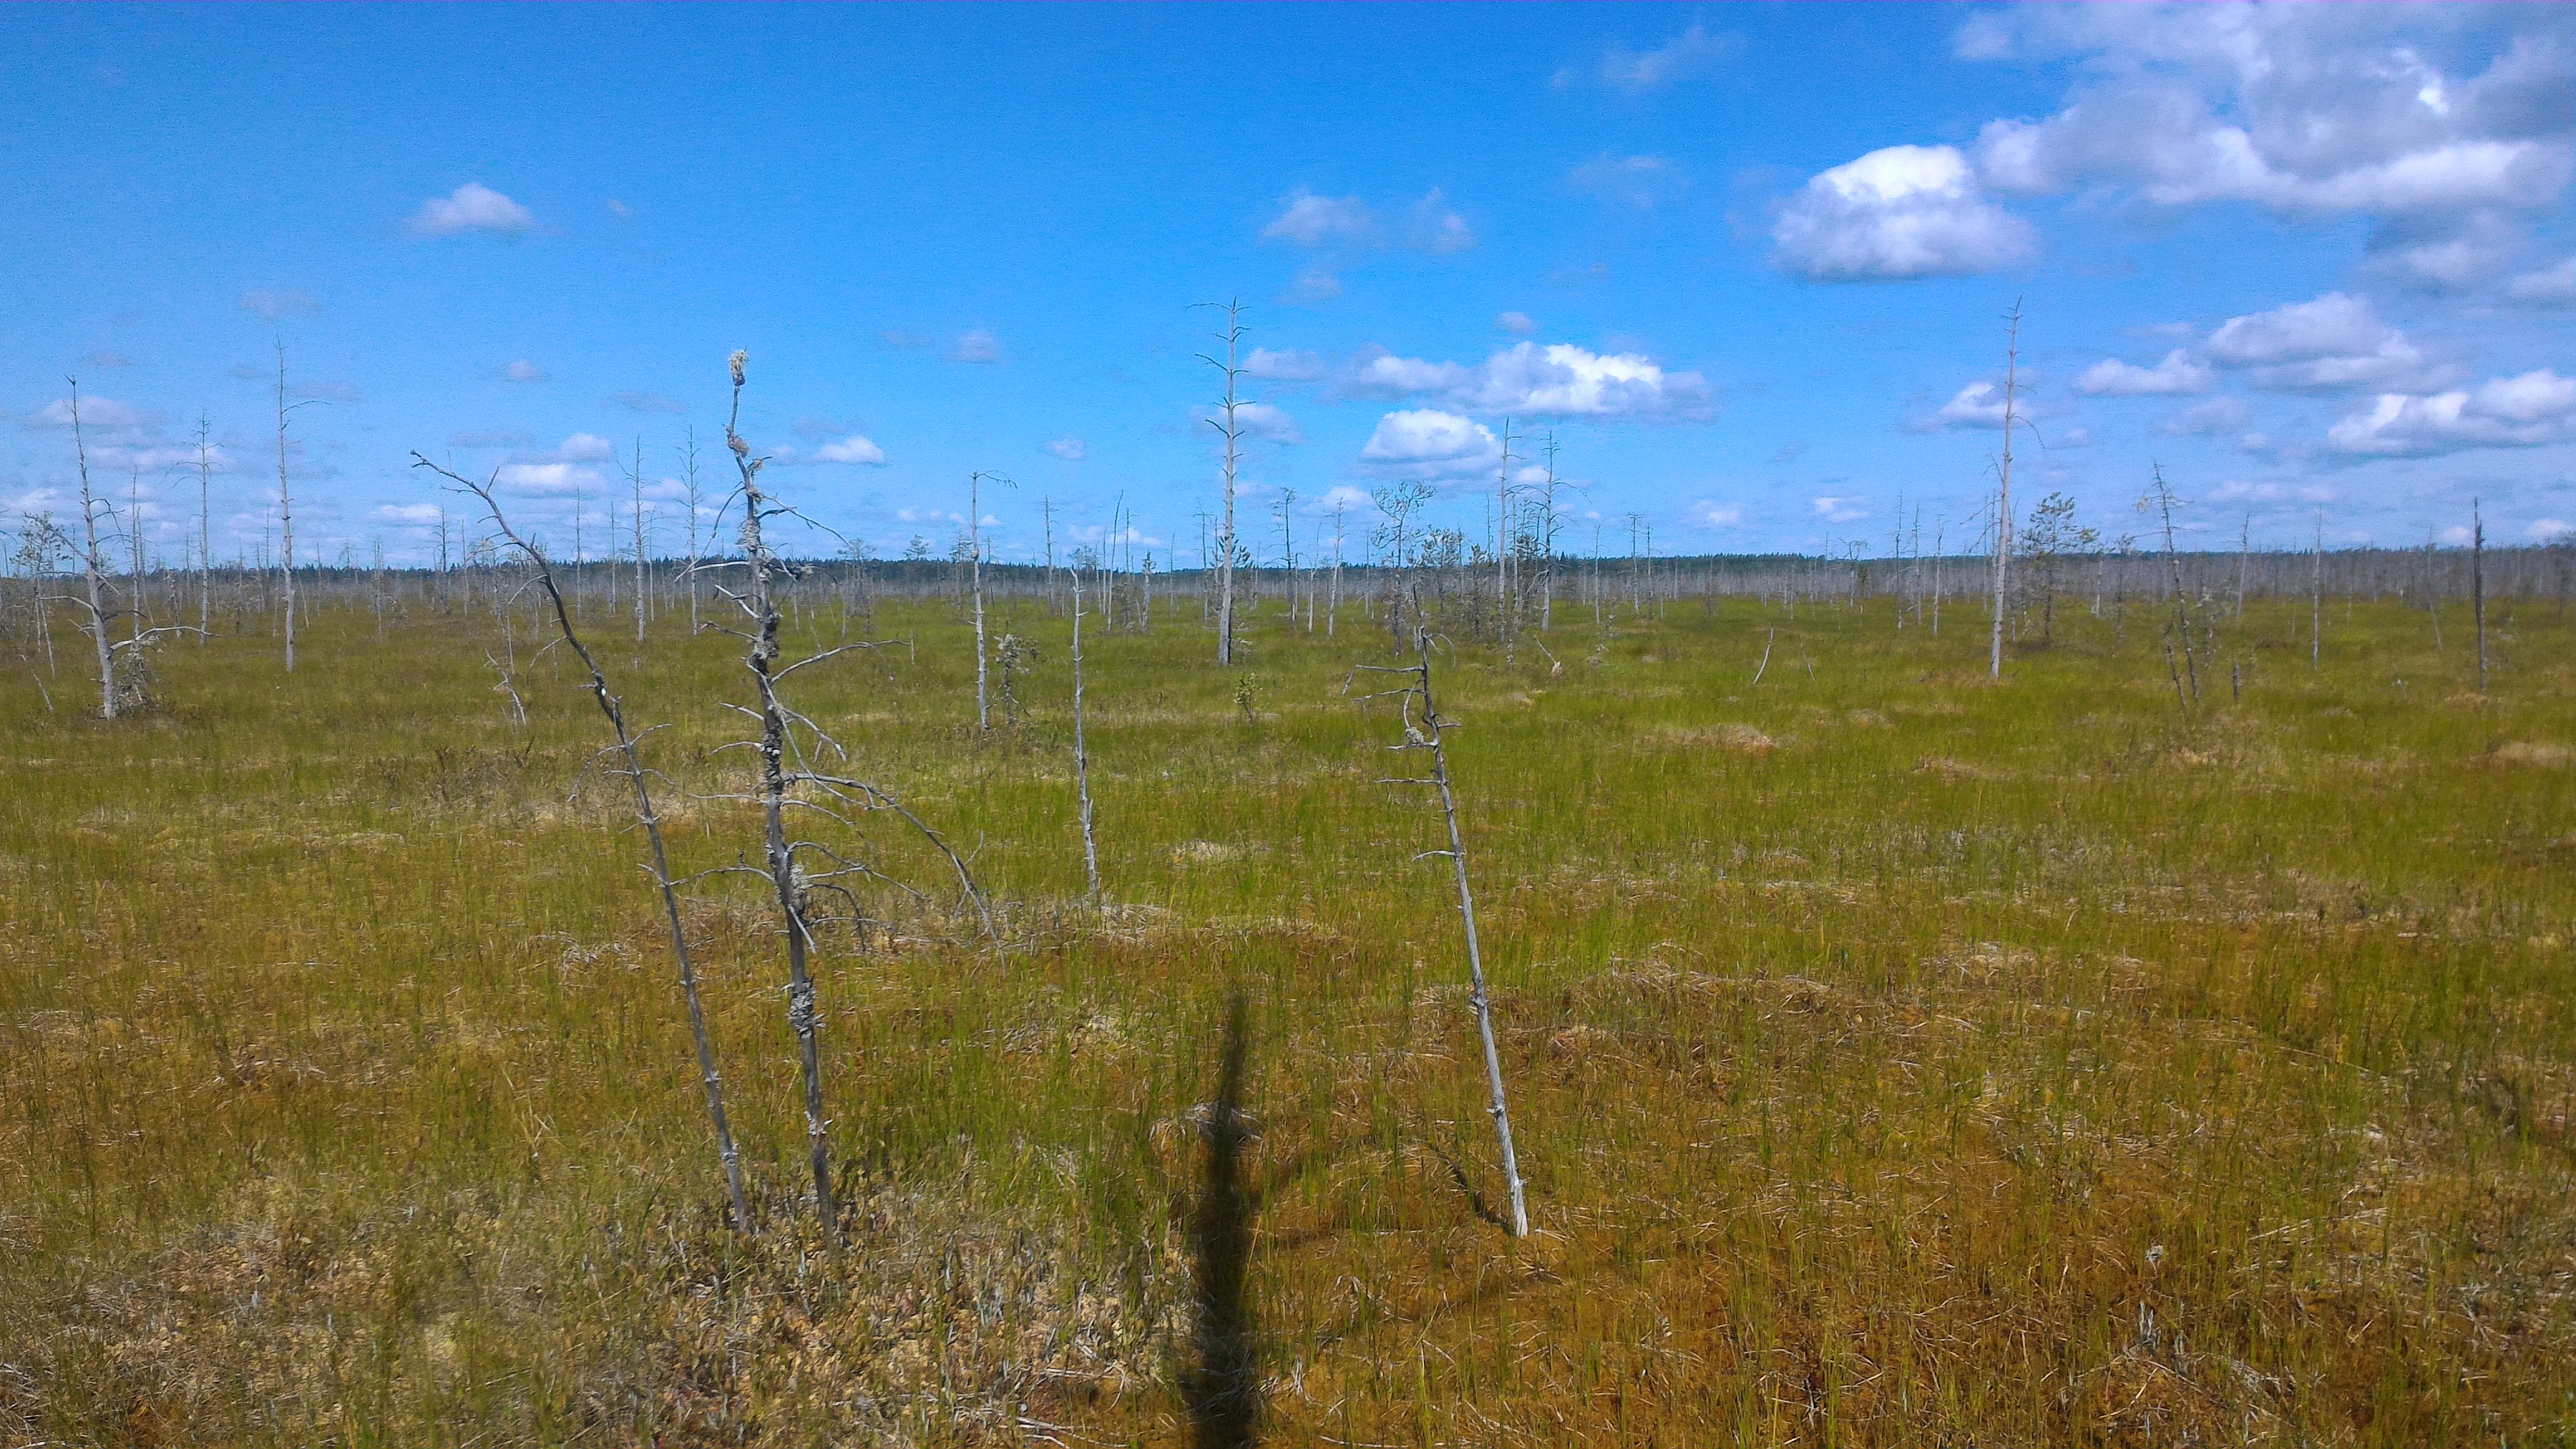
point(1896, 213)
point(523, 371)
point(1638, 181)
point(1069, 448)
point(104, 414)
point(1692, 52)
point(1840, 510)
point(1434, 227)
point(542, 479)
point(2532, 410)
point(976, 344)
point(2551, 286)
point(1313, 287)
point(1269, 423)
point(2303, 109)
point(2201, 419)
point(2335, 343)
point(276, 303)
point(2176, 374)
point(471, 207)
point(1557, 380)
point(2549, 530)
point(852, 449)
point(1308, 220)
point(409, 514)
point(1286, 366)
point(1978, 405)
point(579, 448)
point(1709, 513)
point(1426, 442)
point(1518, 322)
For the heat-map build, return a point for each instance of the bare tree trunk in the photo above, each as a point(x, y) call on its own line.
point(93, 568)
point(2317, 599)
point(2003, 491)
point(1499, 1110)
point(975, 564)
point(205, 538)
point(285, 513)
point(763, 657)
point(1232, 337)
point(2478, 585)
point(1081, 756)
point(614, 708)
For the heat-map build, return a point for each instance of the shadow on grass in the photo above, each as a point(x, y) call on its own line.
point(1222, 1389)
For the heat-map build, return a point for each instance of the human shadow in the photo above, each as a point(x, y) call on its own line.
point(1221, 1390)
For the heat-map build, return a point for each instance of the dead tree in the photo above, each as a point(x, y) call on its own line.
point(782, 786)
point(285, 510)
point(975, 575)
point(1228, 427)
point(205, 535)
point(2003, 490)
point(631, 765)
point(2478, 586)
point(1082, 756)
point(1423, 731)
point(93, 566)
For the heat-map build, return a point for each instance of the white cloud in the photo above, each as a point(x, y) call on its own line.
point(1638, 181)
point(852, 449)
point(275, 303)
point(410, 514)
point(523, 371)
point(1273, 424)
point(1308, 220)
point(2550, 286)
point(2332, 344)
point(2176, 374)
point(2215, 415)
point(1515, 322)
point(549, 478)
point(579, 448)
point(2334, 324)
point(2549, 530)
point(1069, 448)
point(1840, 510)
point(1313, 287)
point(1376, 372)
point(471, 207)
point(1420, 442)
point(1709, 513)
point(1434, 227)
point(2532, 410)
point(2303, 109)
point(1978, 405)
point(1686, 54)
point(1896, 213)
point(977, 344)
point(1290, 366)
point(1557, 380)
point(96, 412)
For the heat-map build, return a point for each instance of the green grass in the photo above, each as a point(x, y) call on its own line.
point(1898, 1057)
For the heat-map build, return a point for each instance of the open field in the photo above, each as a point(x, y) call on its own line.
point(1898, 1057)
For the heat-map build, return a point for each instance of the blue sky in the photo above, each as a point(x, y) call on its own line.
point(1748, 264)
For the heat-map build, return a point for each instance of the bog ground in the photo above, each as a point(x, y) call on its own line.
point(1899, 1057)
